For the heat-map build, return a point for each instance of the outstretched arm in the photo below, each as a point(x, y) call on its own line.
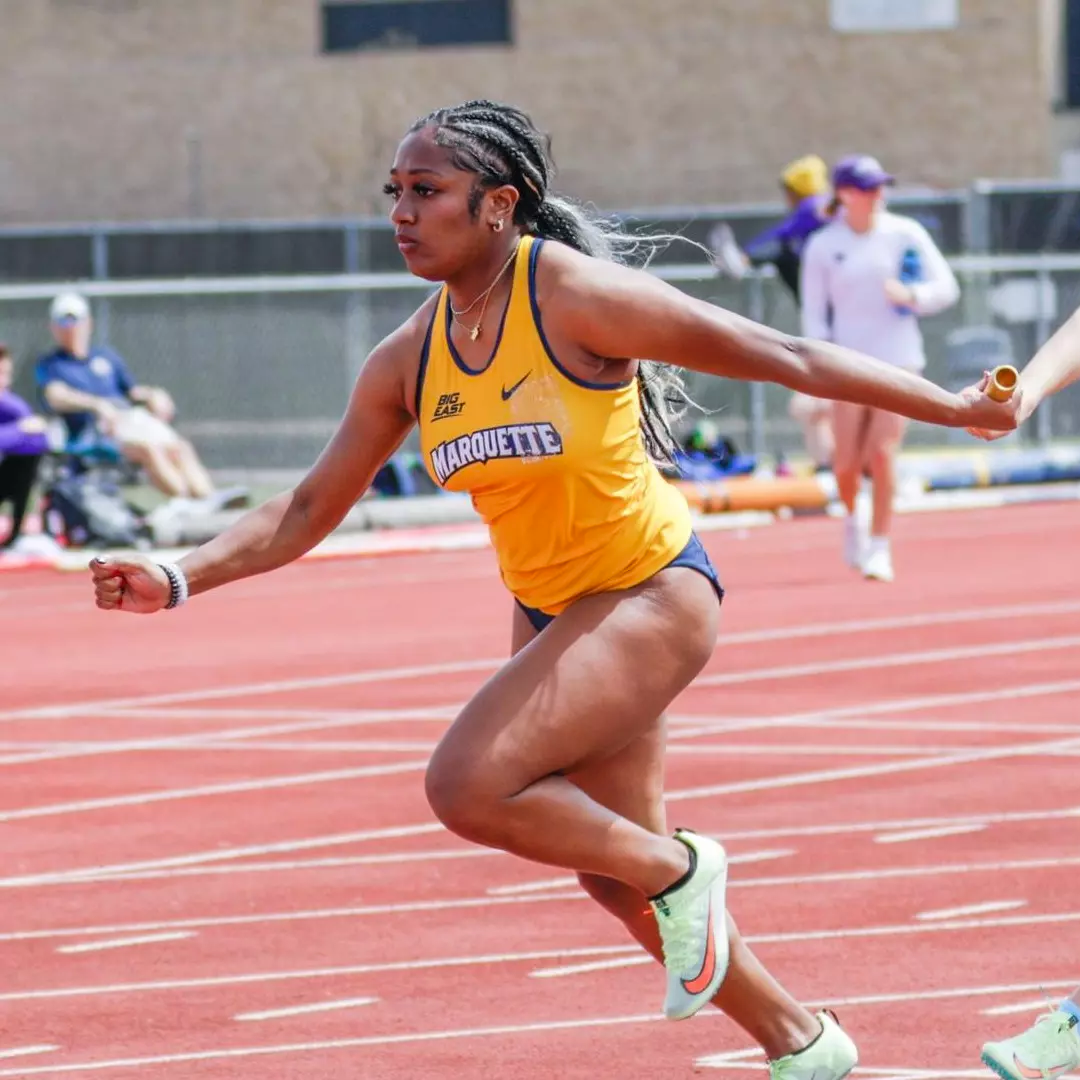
point(612, 311)
point(1055, 366)
point(376, 421)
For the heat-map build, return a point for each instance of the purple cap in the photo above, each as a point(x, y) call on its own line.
point(861, 171)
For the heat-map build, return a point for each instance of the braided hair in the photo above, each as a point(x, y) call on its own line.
point(501, 145)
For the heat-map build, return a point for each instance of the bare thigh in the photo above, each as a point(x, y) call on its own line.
point(884, 433)
point(631, 781)
point(595, 681)
point(850, 423)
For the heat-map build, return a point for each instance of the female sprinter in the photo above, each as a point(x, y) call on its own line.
point(853, 295)
point(513, 373)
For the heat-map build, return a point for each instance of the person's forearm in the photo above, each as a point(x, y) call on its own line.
point(1054, 366)
point(831, 371)
point(64, 399)
point(276, 533)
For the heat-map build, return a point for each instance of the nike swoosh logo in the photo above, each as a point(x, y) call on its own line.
point(508, 394)
point(1036, 1074)
point(700, 983)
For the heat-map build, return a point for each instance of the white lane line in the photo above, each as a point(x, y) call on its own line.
point(1030, 1005)
point(595, 958)
point(927, 834)
point(303, 1010)
point(257, 978)
point(860, 714)
point(214, 855)
point(334, 1044)
point(490, 1032)
point(312, 746)
point(588, 968)
point(847, 828)
point(26, 1051)
point(944, 995)
point(280, 686)
point(785, 749)
point(795, 936)
point(126, 942)
point(901, 622)
point(190, 740)
point(891, 660)
point(716, 1061)
point(426, 670)
point(240, 787)
point(326, 717)
point(745, 858)
point(526, 887)
point(287, 866)
point(410, 907)
point(988, 908)
point(862, 772)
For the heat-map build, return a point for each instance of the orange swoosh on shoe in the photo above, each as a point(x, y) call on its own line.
point(700, 983)
point(1036, 1074)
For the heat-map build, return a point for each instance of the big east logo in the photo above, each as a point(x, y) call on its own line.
point(448, 405)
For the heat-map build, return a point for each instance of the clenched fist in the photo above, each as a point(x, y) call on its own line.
point(129, 583)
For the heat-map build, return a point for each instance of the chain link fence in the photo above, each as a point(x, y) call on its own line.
point(261, 368)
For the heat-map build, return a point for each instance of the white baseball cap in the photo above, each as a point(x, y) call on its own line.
point(69, 307)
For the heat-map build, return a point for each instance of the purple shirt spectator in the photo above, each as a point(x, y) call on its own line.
point(793, 231)
point(13, 440)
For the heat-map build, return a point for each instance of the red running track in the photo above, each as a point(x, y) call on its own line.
point(218, 861)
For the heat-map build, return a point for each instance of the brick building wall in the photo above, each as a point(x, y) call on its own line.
point(136, 109)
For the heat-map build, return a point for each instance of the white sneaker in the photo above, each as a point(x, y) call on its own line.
point(1045, 1051)
point(692, 919)
point(877, 566)
point(831, 1056)
point(854, 541)
point(36, 545)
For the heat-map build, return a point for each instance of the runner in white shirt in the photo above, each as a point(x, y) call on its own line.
point(866, 278)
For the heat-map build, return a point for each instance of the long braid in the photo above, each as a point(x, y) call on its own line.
point(502, 146)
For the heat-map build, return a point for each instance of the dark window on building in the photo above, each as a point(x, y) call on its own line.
point(224, 252)
point(1071, 49)
point(46, 258)
point(410, 24)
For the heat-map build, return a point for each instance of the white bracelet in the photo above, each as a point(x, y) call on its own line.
point(178, 585)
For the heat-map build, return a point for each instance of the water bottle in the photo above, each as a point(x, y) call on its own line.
point(910, 272)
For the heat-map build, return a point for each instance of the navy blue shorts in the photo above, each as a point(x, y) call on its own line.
point(693, 555)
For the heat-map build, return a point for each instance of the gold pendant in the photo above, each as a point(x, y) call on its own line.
point(474, 333)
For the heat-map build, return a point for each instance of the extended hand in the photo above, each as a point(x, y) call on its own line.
point(988, 419)
point(33, 425)
point(896, 292)
point(129, 583)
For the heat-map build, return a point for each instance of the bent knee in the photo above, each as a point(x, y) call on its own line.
point(179, 448)
point(459, 802)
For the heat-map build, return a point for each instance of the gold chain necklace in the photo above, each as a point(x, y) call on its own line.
point(474, 331)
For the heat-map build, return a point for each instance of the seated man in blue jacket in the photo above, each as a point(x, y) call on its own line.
point(104, 408)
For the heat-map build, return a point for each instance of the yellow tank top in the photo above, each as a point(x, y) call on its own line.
point(555, 466)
